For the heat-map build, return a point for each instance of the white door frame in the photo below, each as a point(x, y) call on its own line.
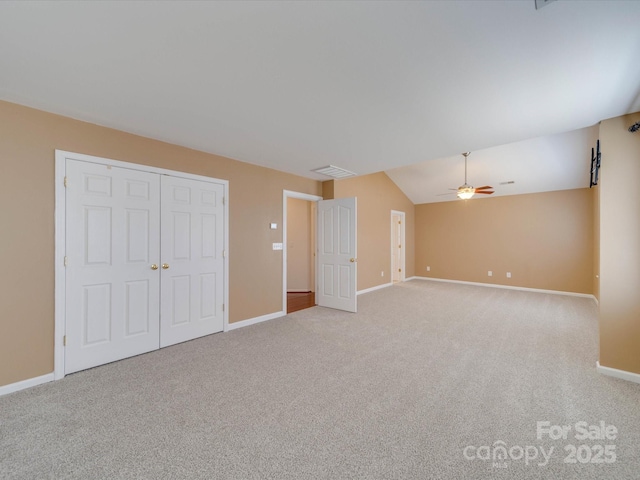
point(60, 240)
point(403, 249)
point(286, 194)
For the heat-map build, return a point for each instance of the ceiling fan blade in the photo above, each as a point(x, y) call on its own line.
point(486, 187)
point(485, 192)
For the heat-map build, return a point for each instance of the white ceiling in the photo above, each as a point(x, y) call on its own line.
point(367, 86)
point(552, 162)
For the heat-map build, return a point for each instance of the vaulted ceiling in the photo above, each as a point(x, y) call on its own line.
point(553, 162)
point(367, 86)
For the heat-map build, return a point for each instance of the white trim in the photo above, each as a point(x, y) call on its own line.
point(135, 166)
point(373, 289)
point(403, 262)
point(60, 239)
point(227, 285)
point(253, 321)
point(60, 312)
point(30, 382)
point(621, 374)
point(411, 278)
point(301, 196)
point(508, 287)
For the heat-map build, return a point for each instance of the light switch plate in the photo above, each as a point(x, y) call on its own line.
point(273, 226)
point(277, 246)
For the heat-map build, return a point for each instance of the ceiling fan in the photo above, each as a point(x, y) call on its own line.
point(466, 191)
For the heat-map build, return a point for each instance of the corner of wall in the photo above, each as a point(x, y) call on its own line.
point(619, 245)
point(328, 189)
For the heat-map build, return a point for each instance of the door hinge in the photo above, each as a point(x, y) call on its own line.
point(64, 341)
point(224, 254)
point(224, 201)
point(223, 307)
point(65, 181)
point(65, 260)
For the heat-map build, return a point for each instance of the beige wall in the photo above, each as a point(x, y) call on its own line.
point(28, 139)
point(299, 241)
point(620, 245)
point(545, 240)
point(377, 196)
point(327, 189)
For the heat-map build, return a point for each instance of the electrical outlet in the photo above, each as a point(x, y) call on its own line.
point(382, 273)
point(490, 273)
point(508, 274)
point(428, 268)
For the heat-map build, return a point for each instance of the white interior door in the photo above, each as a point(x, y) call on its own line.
point(397, 247)
point(337, 255)
point(112, 242)
point(192, 259)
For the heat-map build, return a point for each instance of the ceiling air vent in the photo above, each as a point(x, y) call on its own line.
point(335, 172)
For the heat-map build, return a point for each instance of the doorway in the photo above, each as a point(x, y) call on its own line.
point(301, 265)
point(334, 251)
point(299, 252)
point(397, 246)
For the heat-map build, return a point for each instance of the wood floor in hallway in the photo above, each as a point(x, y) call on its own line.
point(300, 300)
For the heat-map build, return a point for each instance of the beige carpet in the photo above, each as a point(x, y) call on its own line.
point(425, 373)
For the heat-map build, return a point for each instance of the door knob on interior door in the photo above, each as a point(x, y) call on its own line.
point(165, 266)
point(154, 267)
point(352, 260)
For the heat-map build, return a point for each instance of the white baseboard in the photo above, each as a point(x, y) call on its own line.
point(28, 383)
point(509, 287)
point(373, 289)
point(253, 321)
point(614, 372)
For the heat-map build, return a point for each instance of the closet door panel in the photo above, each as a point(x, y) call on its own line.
point(112, 241)
point(192, 259)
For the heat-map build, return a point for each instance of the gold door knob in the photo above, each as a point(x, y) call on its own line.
point(165, 266)
point(352, 260)
point(154, 267)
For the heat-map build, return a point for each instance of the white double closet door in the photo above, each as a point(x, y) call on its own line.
point(145, 267)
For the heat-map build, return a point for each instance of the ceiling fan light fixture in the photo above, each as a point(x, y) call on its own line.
point(465, 193)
